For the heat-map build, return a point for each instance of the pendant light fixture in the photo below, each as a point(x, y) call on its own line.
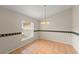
point(45, 21)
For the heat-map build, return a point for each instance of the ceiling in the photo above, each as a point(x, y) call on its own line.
point(37, 11)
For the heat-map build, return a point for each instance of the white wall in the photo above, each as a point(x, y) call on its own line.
point(76, 27)
point(62, 22)
point(10, 22)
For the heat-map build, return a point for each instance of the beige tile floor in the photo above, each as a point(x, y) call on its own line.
point(45, 47)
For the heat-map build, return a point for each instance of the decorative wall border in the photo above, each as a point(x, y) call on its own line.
point(57, 31)
point(10, 34)
point(76, 33)
point(53, 31)
point(18, 33)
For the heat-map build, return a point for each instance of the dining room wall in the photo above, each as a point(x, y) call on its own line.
point(10, 22)
point(59, 22)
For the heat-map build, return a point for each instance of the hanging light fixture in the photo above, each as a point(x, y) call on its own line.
point(44, 21)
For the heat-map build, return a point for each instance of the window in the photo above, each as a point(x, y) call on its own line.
point(27, 30)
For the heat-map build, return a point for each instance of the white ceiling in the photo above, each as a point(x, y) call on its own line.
point(37, 11)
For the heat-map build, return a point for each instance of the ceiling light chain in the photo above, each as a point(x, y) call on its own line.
point(44, 19)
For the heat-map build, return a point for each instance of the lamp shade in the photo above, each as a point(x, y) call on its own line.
point(45, 22)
